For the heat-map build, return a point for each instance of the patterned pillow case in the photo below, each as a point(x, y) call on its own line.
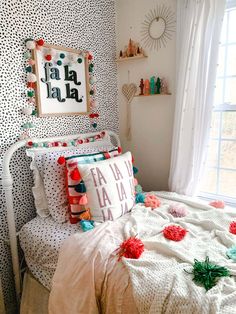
point(49, 188)
point(75, 186)
point(110, 187)
point(54, 181)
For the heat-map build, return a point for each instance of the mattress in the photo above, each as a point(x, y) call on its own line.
point(41, 239)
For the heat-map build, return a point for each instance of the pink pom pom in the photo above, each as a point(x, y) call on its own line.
point(83, 200)
point(177, 210)
point(31, 62)
point(217, 204)
point(174, 233)
point(232, 227)
point(135, 182)
point(131, 248)
point(152, 201)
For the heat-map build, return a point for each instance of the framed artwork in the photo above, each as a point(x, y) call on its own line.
point(62, 80)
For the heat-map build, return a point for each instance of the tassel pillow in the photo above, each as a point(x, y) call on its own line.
point(76, 189)
point(108, 187)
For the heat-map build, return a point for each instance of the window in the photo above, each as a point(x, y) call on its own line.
point(220, 176)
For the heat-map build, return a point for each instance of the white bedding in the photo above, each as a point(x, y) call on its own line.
point(41, 239)
point(88, 267)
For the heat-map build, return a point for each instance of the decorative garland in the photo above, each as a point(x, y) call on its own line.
point(68, 143)
point(50, 55)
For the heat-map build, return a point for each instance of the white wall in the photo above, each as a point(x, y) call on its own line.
point(152, 117)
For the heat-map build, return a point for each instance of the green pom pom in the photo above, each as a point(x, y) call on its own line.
point(91, 92)
point(35, 144)
point(30, 93)
point(135, 170)
point(59, 62)
point(231, 253)
point(79, 60)
point(34, 112)
point(28, 69)
point(208, 274)
point(62, 55)
point(27, 55)
point(138, 188)
point(45, 144)
point(139, 198)
point(91, 68)
point(72, 143)
point(80, 188)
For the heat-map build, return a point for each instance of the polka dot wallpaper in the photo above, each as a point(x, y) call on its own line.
point(83, 24)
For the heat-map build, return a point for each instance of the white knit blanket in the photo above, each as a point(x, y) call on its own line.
point(160, 284)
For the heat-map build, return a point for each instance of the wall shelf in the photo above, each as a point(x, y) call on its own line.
point(131, 58)
point(153, 95)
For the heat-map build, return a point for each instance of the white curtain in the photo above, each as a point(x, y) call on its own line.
point(199, 25)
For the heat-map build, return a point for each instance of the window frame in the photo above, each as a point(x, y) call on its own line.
point(222, 108)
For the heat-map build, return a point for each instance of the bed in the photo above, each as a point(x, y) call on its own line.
point(85, 273)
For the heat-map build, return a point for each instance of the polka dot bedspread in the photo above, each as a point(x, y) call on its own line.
point(41, 239)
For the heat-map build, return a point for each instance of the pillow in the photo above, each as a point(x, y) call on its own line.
point(49, 181)
point(75, 186)
point(110, 187)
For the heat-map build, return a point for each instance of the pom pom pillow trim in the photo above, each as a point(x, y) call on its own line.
point(110, 187)
point(76, 189)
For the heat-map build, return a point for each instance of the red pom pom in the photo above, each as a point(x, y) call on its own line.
point(92, 115)
point(40, 42)
point(31, 84)
point(30, 143)
point(64, 144)
point(119, 150)
point(80, 141)
point(48, 57)
point(174, 233)
point(131, 248)
point(95, 115)
point(232, 227)
point(61, 160)
point(90, 57)
point(75, 175)
point(56, 144)
point(103, 133)
point(86, 140)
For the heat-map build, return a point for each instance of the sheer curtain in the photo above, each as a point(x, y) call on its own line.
point(198, 32)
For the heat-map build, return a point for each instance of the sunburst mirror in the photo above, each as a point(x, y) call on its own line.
point(158, 27)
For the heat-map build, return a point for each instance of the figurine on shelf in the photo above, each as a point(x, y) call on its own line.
point(152, 85)
point(146, 87)
point(141, 85)
point(164, 86)
point(158, 84)
point(132, 50)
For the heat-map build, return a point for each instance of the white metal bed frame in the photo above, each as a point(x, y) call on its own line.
point(7, 183)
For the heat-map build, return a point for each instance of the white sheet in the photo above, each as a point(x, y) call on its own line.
point(41, 239)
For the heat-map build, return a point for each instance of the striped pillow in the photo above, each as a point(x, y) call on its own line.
point(76, 189)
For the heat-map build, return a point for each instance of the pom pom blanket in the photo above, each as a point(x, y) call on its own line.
point(160, 284)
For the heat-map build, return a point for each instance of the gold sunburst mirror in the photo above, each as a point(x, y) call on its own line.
point(158, 27)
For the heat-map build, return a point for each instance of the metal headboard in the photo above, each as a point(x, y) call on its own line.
point(7, 183)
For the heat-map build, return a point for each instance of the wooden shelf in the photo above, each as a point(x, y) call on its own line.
point(131, 58)
point(153, 95)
